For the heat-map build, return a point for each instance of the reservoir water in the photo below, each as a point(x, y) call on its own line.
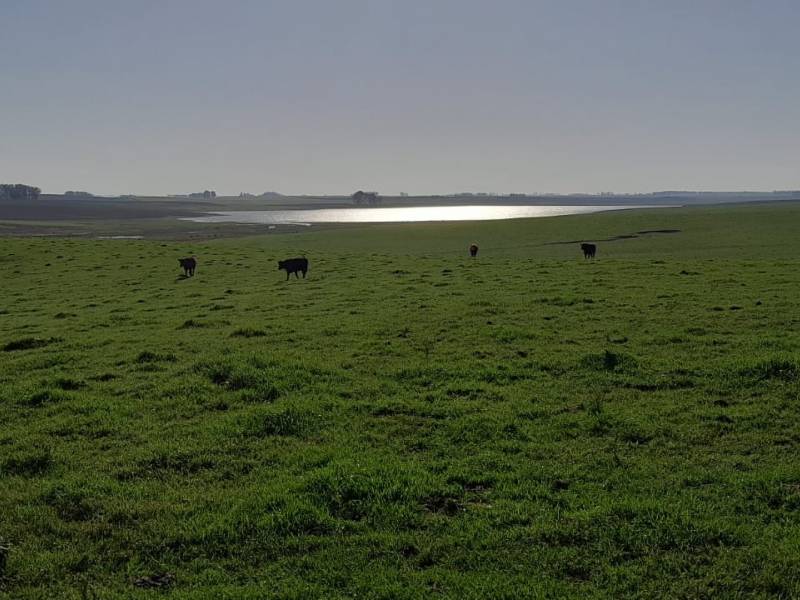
point(405, 214)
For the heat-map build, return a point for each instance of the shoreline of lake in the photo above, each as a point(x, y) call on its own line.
point(410, 214)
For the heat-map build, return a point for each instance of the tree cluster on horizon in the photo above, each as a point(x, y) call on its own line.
point(206, 195)
point(369, 198)
point(18, 191)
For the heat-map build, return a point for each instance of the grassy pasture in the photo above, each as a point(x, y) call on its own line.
point(407, 422)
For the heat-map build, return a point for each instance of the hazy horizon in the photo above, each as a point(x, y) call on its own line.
point(464, 193)
point(416, 97)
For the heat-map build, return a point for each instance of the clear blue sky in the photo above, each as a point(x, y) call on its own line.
point(417, 96)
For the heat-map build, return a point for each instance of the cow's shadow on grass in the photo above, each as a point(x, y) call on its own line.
point(616, 238)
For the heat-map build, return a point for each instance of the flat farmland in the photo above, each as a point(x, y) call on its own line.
point(407, 422)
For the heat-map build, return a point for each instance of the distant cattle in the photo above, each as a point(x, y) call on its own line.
point(473, 250)
point(294, 265)
point(188, 265)
point(588, 250)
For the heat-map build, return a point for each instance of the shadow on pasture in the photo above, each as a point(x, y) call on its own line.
point(616, 238)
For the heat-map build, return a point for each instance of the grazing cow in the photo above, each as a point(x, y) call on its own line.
point(294, 265)
point(473, 250)
point(588, 250)
point(188, 265)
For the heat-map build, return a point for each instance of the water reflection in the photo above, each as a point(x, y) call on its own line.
point(406, 214)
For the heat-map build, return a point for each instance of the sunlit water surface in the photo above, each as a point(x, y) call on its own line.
point(405, 214)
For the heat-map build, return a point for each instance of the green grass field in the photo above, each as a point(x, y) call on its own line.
point(407, 422)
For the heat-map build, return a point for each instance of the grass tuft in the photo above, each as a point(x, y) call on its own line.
point(247, 332)
point(773, 369)
point(29, 343)
point(27, 463)
point(609, 361)
point(285, 422)
point(46, 396)
point(154, 357)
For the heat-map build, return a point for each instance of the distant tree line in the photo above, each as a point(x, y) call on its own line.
point(206, 195)
point(18, 191)
point(74, 194)
point(361, 198)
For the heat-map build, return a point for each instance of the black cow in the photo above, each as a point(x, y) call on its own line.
point(588, 250)
point(294, 265)
point(188, 265)
point(473, 250)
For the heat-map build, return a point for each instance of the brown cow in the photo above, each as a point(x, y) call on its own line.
point(473, 250)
